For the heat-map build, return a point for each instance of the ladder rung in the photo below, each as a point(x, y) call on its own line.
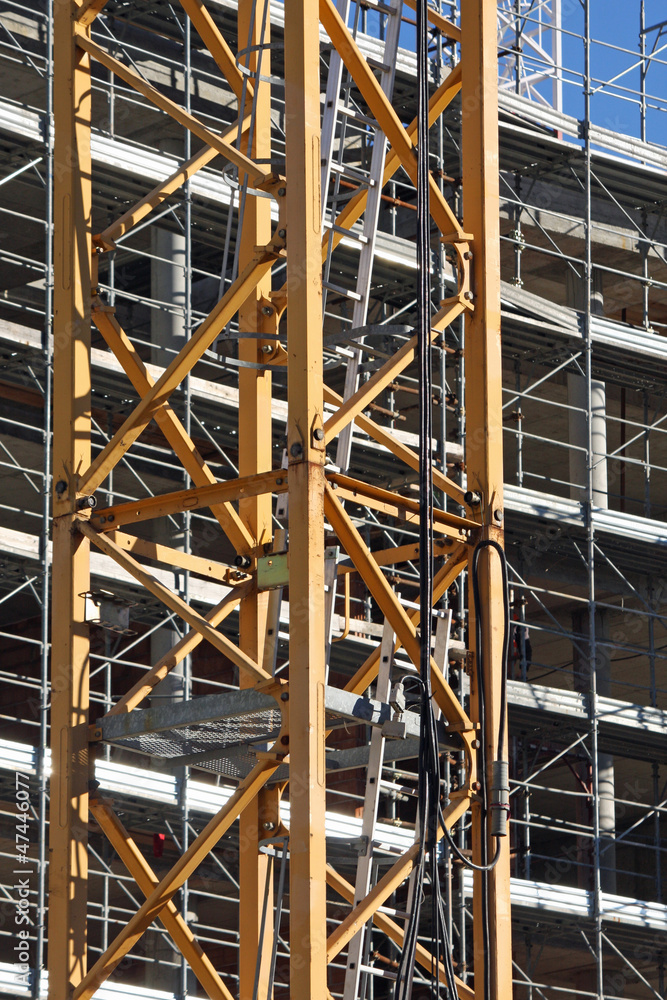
point(383, 8)
point(342, 291)
point(377, 64)
point(372, 970)
point(352, 174)
point(357, 237)
point(356, 116)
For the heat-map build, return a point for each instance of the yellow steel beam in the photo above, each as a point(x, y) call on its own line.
point(440, 22)
point(87, 11)
point(182, 364)
point(256, 173)
point(306, 450)
point(255, 453)
point(173, 922)
point(366, 493)
point(442, 581)
point(171, 426)
point(380, 379)
point(399, 554)
point(215, 43)
point(113, 232)
point(197, 498)
point(165, 554)
point(396, 933)
point(385, 437)
point(354, 208)
point(386, 599)
point(173, 602)
point(484, 447)
point(366, 908)
point(385, 115)
point(68, 862)
point(186, 865)
point(177, 653)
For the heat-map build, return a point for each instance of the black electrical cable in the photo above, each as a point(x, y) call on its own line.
point(428, 794)
point(429, 809)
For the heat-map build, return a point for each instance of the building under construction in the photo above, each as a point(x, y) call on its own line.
point(309, 313)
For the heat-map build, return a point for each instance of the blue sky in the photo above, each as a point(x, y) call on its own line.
point(613, 23)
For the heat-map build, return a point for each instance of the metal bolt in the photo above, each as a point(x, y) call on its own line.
point(61, 486)
point(467, 255)
point(498, 514)
point(477, 786)
point(476, 744)
point(267, 349)
point(269, 826)
point(284, 740)
point(296, 449)
point(282, 233)
point(318, 434)
point(267, 310)
point(468, 296)
point(84, 503)
point(282, 192)
point(279, 482)
point(284, 696)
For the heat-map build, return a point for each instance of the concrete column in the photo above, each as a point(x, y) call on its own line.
point(583, 669)
point(582, 664)
point(578, 437)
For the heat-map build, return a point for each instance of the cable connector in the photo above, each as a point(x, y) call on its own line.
point(500, 798)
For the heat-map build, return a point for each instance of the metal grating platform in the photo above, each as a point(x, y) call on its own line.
point(222, 732)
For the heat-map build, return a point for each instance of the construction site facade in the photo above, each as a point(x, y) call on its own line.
point(188, 606)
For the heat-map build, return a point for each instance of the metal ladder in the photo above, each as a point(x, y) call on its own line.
point(338, 115)
point(358, 949)
point(335, 113)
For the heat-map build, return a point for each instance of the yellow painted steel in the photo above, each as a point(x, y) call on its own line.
point(171, 919)
point(186, 865)
point(173, 602)
point(68, 829)
point(306, 456)
point(298, 236)
point(484, 438)
point(255, 457)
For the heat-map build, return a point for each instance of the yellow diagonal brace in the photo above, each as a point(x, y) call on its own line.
point(384, 436)
point(380, 379)
point(88, 11)
point(173, 602)
point(146, 548)
point(440, 22)
point(392, 930)
point(178, 652)
point(383, 111)
point(256, 173)
point(442, 581)
point(173, 922)
point(183, 363)
point(174, 879)
point(217, 46)
point(354, 209)
point(164, 189)
point(196, 498)
point(171, 427)
point(399, 871)
point(386, 599)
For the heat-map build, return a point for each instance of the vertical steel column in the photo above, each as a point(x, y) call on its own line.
point(68, 870)
point(305, 445)
point(254, 456)
point(484, 442)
